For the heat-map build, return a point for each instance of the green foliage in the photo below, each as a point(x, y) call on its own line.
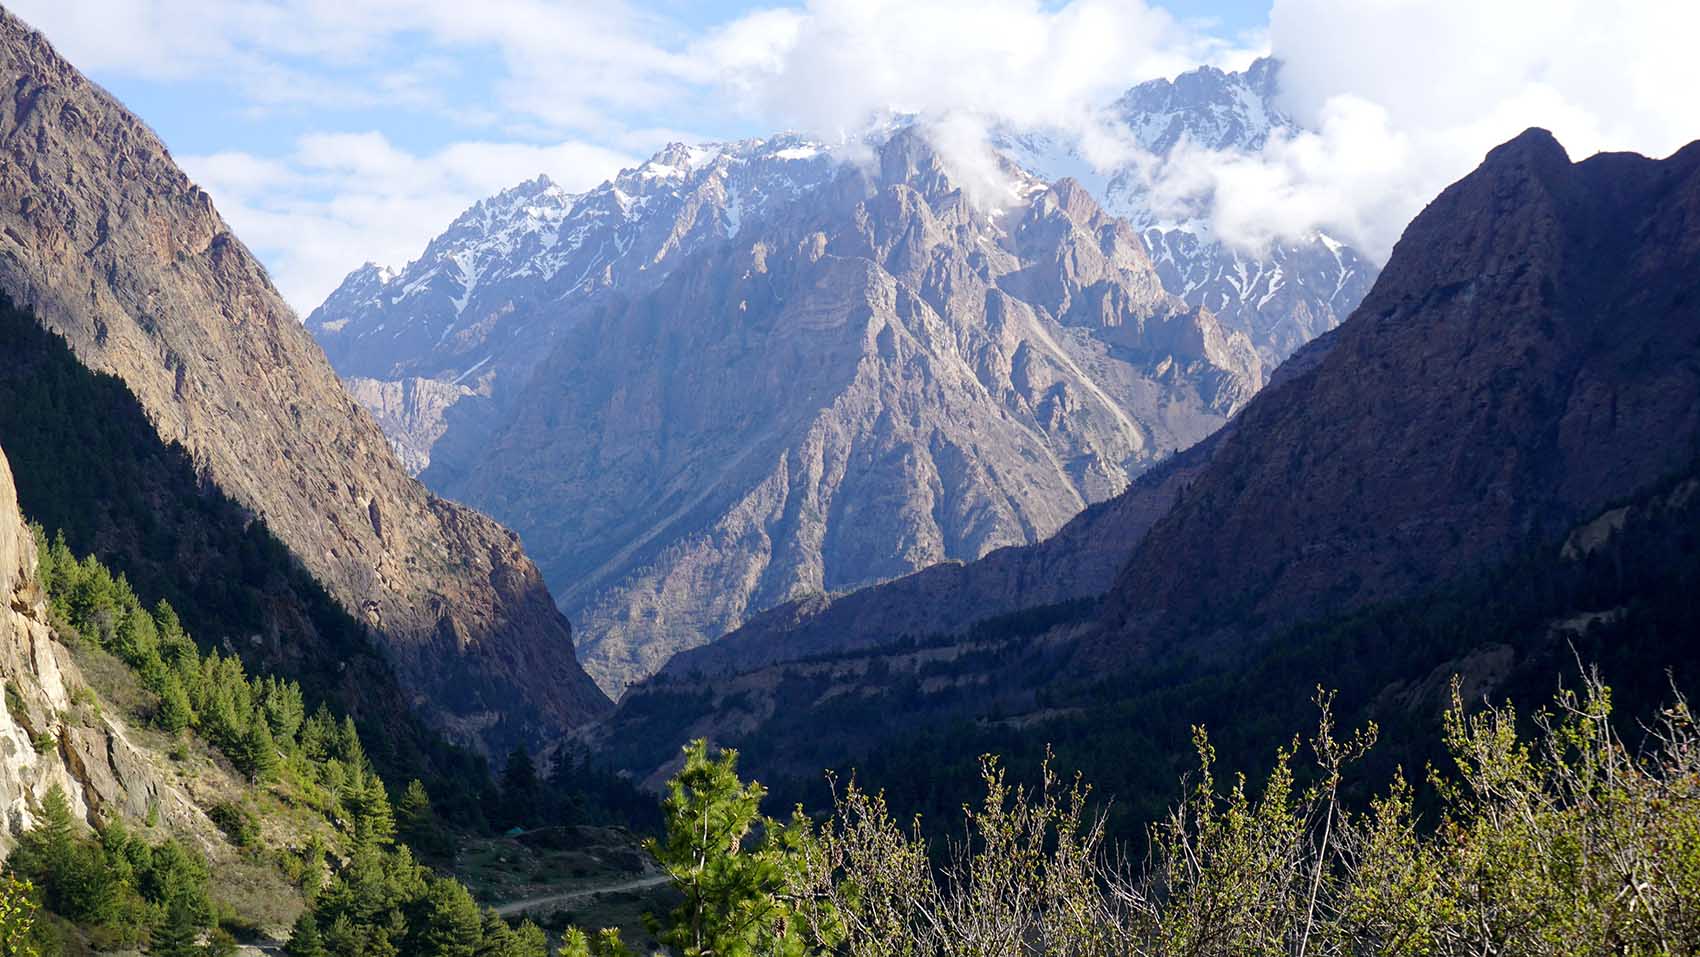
point(727, 860)
point(111, 881)
point(521, 790)
point(249, 720)
point(375, 899)
point(452, 926)
point(178, 935)
point(607, 943)
point(418, 825)
point(1565, 841)
point(17, 918)
point(304, 939)
point(89, 462)
point(237, 822)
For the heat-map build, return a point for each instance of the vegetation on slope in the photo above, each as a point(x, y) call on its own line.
point(911, 717)
point(1566, 840)
point(90, 465)
point(315, 819)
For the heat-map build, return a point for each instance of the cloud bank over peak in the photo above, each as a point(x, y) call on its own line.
point(1399, 98)
point(444, 101)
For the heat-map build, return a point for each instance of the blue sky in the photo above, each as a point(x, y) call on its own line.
point(331, 132)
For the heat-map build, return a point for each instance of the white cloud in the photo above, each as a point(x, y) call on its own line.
point(1402, 97)
point(965, 67)
point(341, 199)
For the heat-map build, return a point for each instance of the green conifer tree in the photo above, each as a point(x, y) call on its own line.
point(730, 882)
point(258, 752)
point(451, 926)
point(174, 713)
point(304, 939)
point(179, 934)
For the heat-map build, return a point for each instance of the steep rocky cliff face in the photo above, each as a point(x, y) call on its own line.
point(1528, 355)
point(1432, 488)
point(113, 248)
point(49, 734)
point(1281, 294)
point(489, 297)
point(874, 380)
point(412, 412)
point(1081, 561)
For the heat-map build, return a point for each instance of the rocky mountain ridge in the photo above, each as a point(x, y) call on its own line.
point(443, 351)
point(1526, 363)
point(109, 245)
point(487, 299)
point(875, 380)
point(1281, 295)
point(1532, 344)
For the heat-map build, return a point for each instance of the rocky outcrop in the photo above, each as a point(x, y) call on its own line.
point(1527, 364)
point(412, 412)
point(49, 732)
point(1080, 561)
point(868, 382)
point(112, 247)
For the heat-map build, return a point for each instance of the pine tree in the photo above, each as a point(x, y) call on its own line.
point(281, 701)
point(174, 712)
point(304, 940)
point(318, 735)
point(732, 906)
point(520, 787)
point(259, 752)
point(179, 934)
point(452, 925)
point(413, 811)
point(348, 745)
point(369, 807)
point(605, 944)
point(417, 823)
point(55, 833)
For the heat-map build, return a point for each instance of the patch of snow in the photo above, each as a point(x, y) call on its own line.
point(475, 367)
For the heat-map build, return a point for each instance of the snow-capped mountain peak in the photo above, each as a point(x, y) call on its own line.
point(488, 292)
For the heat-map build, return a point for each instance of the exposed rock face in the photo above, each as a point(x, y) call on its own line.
point(412, 412)
point(117, 251)
point(1281, 296)
point(1079, 561)
point(1528, 356)
point(874, 381)
point(46, 736)
point(484, 303)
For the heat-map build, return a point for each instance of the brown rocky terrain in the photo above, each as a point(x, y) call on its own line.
point(884, 377)
point(1529, 359)
point(1080, 561)
point(112, 247)
point(1528, 355)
